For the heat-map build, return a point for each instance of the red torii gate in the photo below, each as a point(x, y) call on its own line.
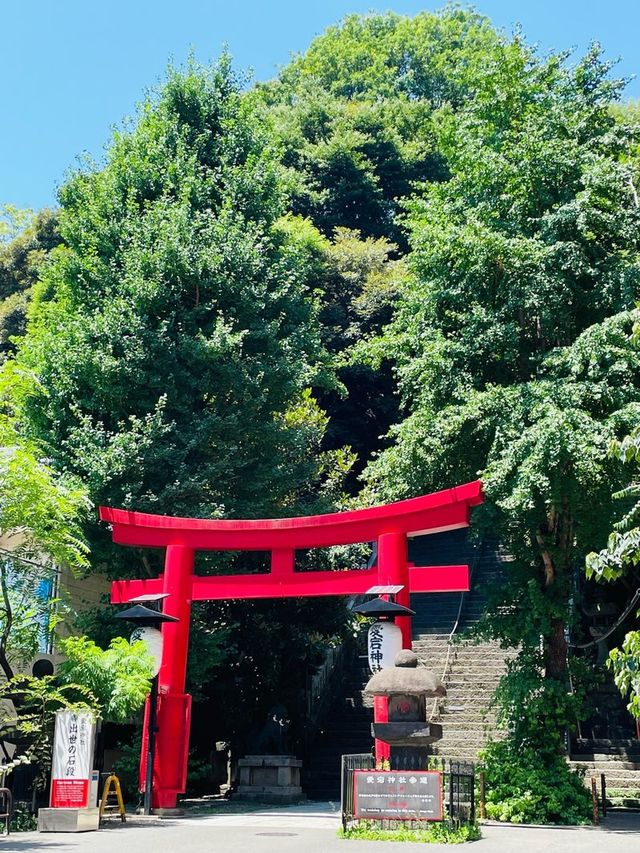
point(388, 525)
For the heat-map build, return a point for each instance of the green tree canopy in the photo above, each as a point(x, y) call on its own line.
point(354, 112)
point(119, 677)
point(24, 247)
point(173, 336)
point(511, 338)
point(173, 341)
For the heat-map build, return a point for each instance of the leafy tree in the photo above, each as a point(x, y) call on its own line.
point(511, 344)
point(12, 221)
point(381, 103)
point(25, 242)
point(174, 333)
point(621, 558)
point(40, 524)
point(354, 112)
point(174, 338)
point(357, 281)
point(119, 678)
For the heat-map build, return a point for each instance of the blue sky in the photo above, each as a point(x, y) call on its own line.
point(72, 69)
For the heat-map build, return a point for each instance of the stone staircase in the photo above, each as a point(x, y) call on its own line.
point(472, 675)
point(471, 671)
point(607, 743)
point(345, 731)
point(607, 746)
point(619, 761)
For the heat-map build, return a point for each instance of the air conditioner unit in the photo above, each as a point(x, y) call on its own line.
point(39, 666)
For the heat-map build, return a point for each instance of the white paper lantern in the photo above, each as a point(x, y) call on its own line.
point(152, 638)
point(384, 643)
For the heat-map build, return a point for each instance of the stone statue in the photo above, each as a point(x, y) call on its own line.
point(272, 738)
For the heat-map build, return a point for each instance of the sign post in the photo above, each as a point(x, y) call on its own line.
point(70, 808)
point(398, 795)
point(72, 759)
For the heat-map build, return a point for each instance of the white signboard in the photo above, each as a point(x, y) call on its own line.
point(72, 759)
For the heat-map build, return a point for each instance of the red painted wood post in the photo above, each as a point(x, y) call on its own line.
point(381, 715)
point(175, 645)
point(393, 569)
point(178, 568)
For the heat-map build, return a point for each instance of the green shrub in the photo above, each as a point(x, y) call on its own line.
point(525, 785)
point(434, 833)
point(23, 819)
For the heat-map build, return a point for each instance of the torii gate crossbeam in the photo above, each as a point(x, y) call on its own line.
point(388, 526)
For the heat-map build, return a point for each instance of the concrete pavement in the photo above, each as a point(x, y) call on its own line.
point(312, 828)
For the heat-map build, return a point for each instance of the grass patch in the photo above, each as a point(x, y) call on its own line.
point(436, 833)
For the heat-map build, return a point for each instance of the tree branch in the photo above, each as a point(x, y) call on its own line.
point(7, 625)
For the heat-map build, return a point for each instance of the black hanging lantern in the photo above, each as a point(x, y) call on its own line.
point(380, 608)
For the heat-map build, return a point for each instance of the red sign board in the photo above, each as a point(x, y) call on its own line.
point(69, 793)
point(397, 795)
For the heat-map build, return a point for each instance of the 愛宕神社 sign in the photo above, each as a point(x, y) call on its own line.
point(391, 795)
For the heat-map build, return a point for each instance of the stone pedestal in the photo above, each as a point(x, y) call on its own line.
point(68, 820)
point(269, 779)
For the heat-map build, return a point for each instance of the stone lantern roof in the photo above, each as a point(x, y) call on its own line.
point(406, 678)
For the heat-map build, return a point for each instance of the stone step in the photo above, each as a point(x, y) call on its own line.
point(631, 785)
point(604, 745)
point(477, 658)
point(606, 766)
point(601, 756)
point(460, 652)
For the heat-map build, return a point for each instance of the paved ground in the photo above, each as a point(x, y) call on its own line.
point(313, 829)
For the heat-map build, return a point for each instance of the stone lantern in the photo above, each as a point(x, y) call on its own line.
point(406, 686)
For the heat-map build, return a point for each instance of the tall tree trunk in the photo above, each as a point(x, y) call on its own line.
point(555, 651)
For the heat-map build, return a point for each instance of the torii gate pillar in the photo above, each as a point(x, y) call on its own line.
point(393, 570)
point(174, 705)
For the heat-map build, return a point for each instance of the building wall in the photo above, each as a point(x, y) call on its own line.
point(80, 594)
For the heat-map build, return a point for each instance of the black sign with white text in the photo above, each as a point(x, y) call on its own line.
point(395, 795)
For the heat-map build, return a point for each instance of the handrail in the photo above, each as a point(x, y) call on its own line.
point(445, 669)
point(7, 796)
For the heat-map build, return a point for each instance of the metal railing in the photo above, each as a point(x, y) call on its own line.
point(362, 761)
point(6, 804)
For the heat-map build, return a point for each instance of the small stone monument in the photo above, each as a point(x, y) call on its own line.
point(271, 775)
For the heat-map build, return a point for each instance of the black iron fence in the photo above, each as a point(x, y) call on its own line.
point(363, 761)
point(458, 788)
